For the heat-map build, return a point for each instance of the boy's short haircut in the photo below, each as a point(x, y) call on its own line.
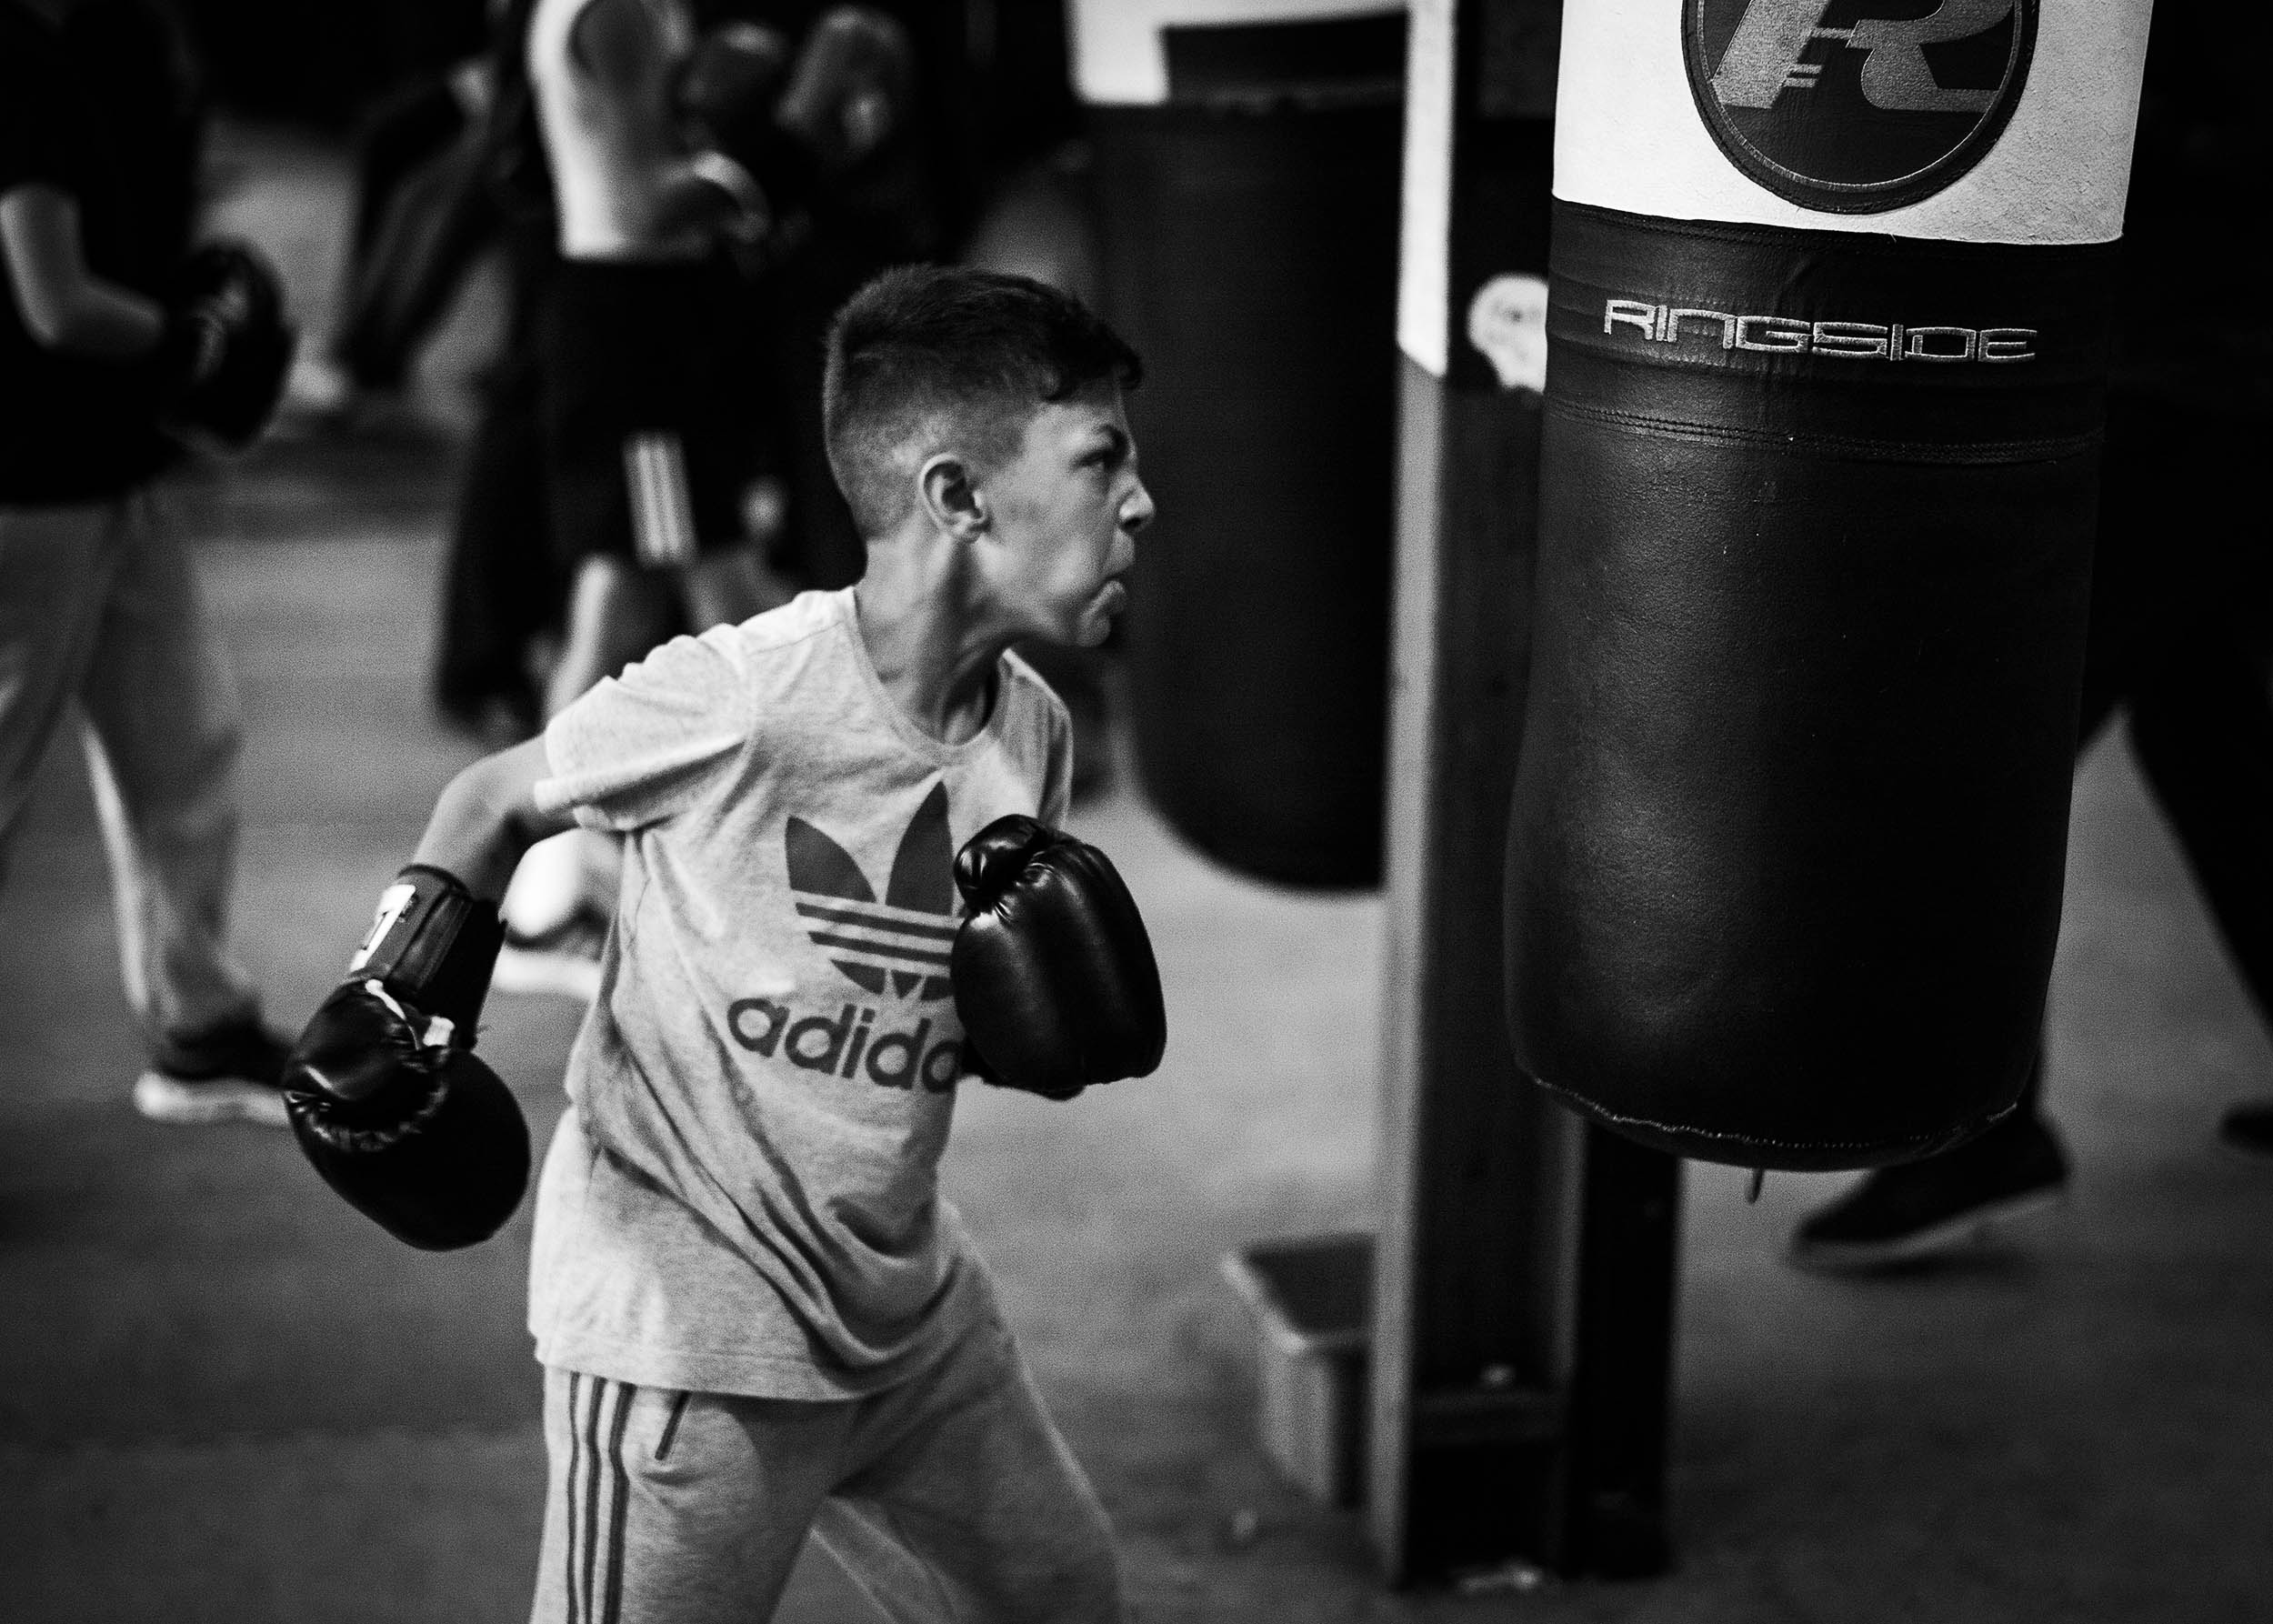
point(925, 352)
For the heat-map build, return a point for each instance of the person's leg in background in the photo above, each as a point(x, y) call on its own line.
point(402, 136)
point(102, 613)
point(403, 130)
point(2180, 611)
point(503, 589)
point(563, 893)
point(2202, 732)
point(441, 222)
point(57, 562)
point(2202, 697)
point(164, 736)
point(1898, 1215)
point(656, 427)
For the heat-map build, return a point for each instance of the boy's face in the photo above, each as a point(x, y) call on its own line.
point(1064, 513)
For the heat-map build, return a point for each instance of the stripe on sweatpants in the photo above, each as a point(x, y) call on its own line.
point(662, 508)
point(594, 1577)
point(619, 1490)
point(591, 1429)
point(569, 1494)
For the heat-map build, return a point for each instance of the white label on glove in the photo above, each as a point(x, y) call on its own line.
point(393, 902)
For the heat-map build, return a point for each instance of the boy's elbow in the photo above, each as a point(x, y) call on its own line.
point(470, 813)
point(479, 797)
point(500, 792)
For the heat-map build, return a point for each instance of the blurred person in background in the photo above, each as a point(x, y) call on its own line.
point(654, 420)
point(115, 341)
point(422, 217)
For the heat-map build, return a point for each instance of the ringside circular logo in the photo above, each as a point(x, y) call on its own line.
point(1838, 105)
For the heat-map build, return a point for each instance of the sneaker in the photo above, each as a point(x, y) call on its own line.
point(1923, 1208)
point(564, 961)
point(233, 1075)
point(2247, 1129)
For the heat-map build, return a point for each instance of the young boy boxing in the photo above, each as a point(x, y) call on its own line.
point(755, 1314)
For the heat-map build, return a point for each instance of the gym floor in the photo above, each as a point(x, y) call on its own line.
point(225, 1396)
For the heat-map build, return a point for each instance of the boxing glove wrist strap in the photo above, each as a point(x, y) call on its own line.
point(433, 945)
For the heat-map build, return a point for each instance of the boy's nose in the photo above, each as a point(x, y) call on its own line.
point(1137, 511)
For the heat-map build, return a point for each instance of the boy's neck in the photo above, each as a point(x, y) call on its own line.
point(931, 648)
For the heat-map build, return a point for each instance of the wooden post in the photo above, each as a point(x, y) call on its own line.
point(1525, 1267)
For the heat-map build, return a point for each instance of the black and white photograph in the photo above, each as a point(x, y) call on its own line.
point(1135, 812)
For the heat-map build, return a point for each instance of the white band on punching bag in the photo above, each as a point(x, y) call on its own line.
point(1847, 93)
point(1829, 322)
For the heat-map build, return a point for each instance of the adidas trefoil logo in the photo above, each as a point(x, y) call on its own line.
point(902, 941)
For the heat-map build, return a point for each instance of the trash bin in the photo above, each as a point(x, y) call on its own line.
point(1312, 1301)
point(1247, 175)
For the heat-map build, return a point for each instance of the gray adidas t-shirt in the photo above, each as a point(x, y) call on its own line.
point(745, 1198)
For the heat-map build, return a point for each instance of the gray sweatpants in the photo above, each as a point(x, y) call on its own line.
point(950, 1497)
point(99, 615)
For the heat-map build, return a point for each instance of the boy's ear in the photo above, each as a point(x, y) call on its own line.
point(951, 498)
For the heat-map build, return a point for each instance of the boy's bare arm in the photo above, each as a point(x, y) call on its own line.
point(66, 306)
point(487, 817)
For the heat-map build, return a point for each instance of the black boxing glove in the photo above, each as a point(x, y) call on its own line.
point(387, 1098)
point(725, 89)
point(1053, 976)
point(221, 360)
point(723, 95)
point(852, 89)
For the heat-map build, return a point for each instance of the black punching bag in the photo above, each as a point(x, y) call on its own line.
point(1828, 317)
point(1247, 181)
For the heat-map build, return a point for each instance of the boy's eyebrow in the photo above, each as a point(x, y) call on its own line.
point(1117, 440)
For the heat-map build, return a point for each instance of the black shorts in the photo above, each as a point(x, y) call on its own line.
point(656, 416)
